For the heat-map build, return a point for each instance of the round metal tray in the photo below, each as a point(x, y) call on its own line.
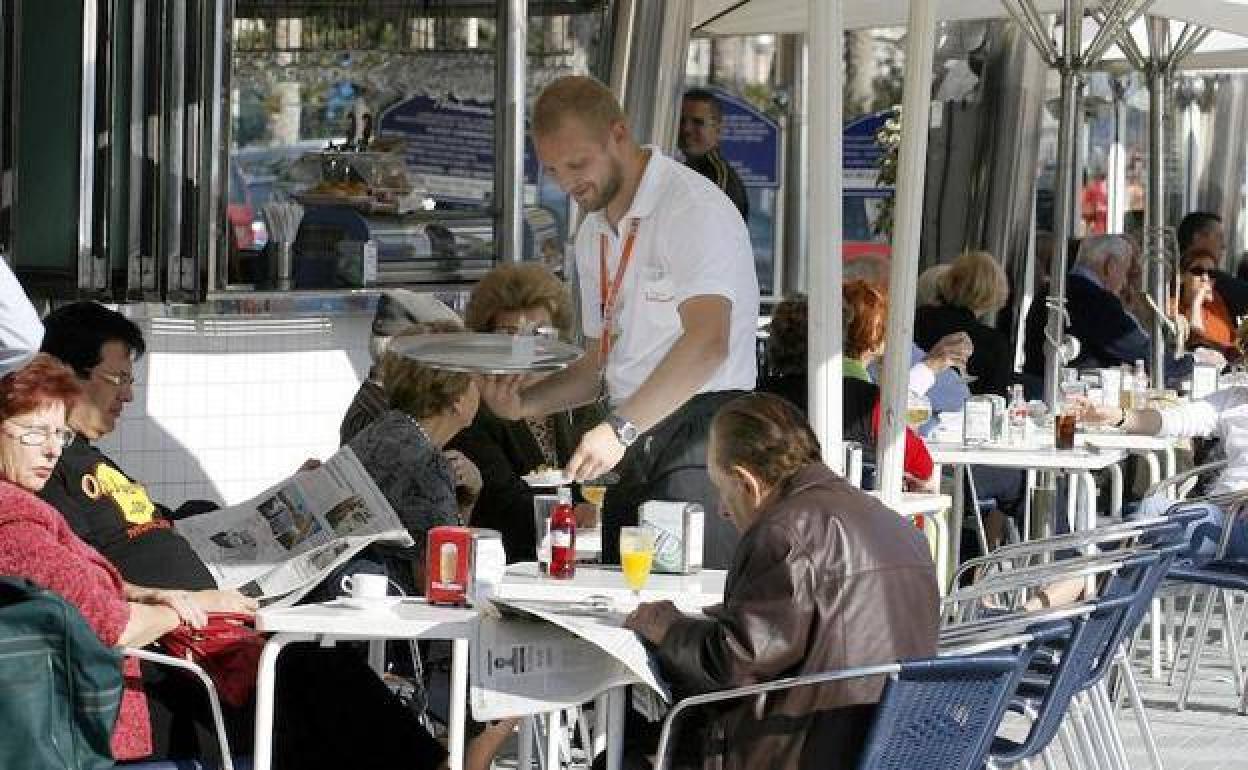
point(486, 353)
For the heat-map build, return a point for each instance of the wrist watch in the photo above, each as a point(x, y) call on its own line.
point(625, 430)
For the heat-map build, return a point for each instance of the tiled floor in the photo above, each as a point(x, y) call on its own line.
point(1209, 735)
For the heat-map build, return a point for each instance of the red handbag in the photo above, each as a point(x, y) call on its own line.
point(227, 647)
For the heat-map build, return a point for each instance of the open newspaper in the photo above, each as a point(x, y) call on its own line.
point(535, 656)
point(278, 545)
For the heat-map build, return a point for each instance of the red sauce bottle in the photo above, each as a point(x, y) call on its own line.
point(563, 537)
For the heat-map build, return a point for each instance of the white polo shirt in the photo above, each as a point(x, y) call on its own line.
point(690, 241)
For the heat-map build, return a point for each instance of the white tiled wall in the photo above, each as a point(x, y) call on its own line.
point(224, 408)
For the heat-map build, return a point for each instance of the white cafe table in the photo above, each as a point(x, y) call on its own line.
point(332, 622)
point(1078, 464)
point(1147, 447)
point(690, 593)
point(932, 507)
point(413, 618)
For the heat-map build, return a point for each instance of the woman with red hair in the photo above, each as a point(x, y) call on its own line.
point(866, 319)
point(860, 412)
point(38, 545)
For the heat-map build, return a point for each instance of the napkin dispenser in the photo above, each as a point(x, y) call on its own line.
point(678, 534)
point(448, 558)
point(463, 564)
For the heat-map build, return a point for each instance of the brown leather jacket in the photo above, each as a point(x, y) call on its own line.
point(826, 578)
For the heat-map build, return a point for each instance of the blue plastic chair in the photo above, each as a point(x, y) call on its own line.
point(1087, 655)
point(939, 712)
point(942, 712)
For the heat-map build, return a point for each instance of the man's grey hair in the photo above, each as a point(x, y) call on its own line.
point(1096, 252)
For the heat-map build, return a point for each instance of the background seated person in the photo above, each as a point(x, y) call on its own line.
point(931, 372)
point(36, 544)
point(397, 309)
point(102, 504)
point(1108, 334)
point(860, 409)
point(1210, 322)
point(1223, 415)
point(402, 449)
point(973, 287)
point(520, 299)
point(824, 578)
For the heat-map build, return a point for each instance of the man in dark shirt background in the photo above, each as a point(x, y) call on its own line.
point(104, 506)
point(700, 118)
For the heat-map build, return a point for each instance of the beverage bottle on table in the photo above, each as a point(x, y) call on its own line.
point(563, 537)
point(1141, 385)
point(1019, 416)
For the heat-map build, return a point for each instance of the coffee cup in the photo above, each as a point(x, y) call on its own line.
point(364, 585)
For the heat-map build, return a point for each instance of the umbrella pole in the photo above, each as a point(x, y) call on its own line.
point(904, 265)
point(825, 51)
point(1158, 83)
point(1068, 123)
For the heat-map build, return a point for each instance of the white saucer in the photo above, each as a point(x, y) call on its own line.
point(361, 603)
point(547, 479)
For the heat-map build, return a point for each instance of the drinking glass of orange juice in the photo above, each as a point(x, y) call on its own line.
point(636, 556)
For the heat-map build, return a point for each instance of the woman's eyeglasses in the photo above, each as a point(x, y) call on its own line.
point(1200, 272)
point(30, 435)
point(117, 379)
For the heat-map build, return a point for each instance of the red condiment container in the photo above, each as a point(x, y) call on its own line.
point(448, 566)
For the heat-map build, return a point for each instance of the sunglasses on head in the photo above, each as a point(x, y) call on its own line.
point(1200, 272)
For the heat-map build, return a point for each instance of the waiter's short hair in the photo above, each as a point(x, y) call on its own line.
point(579, 96)
point(77, 332)
point(765, 434)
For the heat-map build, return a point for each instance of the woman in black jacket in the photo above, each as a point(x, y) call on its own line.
point(519, 299)
point(973, 287)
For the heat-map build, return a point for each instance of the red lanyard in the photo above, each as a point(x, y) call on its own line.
point(608, 295)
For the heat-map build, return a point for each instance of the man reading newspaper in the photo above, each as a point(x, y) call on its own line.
point(820, 575)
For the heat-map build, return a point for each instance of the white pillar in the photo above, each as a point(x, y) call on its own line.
point(904, 269)
point(824, 234)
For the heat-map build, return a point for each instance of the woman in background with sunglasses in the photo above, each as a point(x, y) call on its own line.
point(1205, 310)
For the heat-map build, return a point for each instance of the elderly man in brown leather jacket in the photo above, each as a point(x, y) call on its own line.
point(825, 577)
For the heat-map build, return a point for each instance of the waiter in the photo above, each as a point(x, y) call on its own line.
point(669, 303)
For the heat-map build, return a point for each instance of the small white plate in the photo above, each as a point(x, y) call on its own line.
point(547, 479)
point(360, 603)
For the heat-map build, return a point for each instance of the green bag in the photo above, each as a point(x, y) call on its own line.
point(60, 686)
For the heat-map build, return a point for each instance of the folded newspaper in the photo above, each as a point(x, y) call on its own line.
point(536, 656)
point(278, 545)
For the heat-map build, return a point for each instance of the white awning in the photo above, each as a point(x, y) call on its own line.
point(745, 17)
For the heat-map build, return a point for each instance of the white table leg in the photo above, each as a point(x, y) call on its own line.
point(524, 745)
point(617, 705)
point(1154, 637)
point(1170, 462)
point(602, 706)
point(266, 683)
point(955, 515)
point(554, 724)
point(1115, 489)
point(459, 703)
point(1072, 502)
point(1089, 491)
point(1154, 467)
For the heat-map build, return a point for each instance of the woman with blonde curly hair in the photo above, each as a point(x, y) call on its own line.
point(973, 287)
point(521, 298)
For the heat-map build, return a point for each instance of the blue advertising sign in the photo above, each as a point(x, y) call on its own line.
point(750, 141)
point(449, 146)
point(861, 154)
